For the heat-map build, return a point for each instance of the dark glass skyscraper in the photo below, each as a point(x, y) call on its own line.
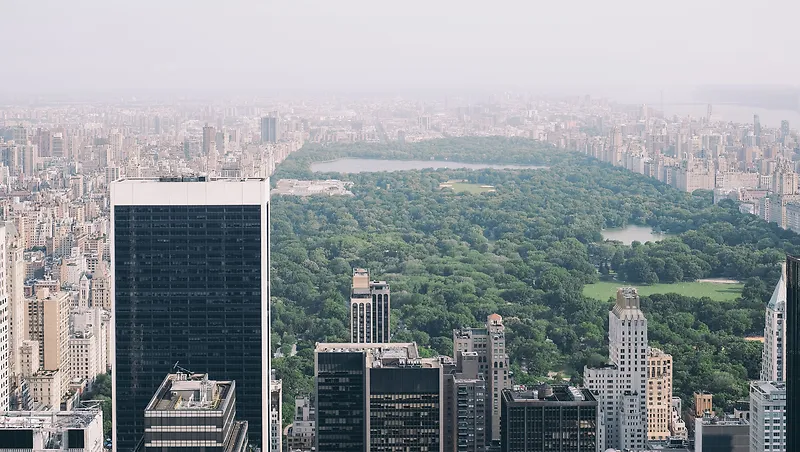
point(191, 287)
point(792, 352)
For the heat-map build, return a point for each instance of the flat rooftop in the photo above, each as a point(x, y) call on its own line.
point(560, 393)
point(189, 392)
point(34, 420)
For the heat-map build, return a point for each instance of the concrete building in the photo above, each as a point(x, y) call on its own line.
point(465, 404)
point(80, 430)
point(659, 394)
point(621, 385)
point(29, 358)
point(83, 356)
point(561, 418)
point(97, 323)
point(490, 345)
point(768, 416)
point(370, 309)
point(276, 416)
point(270, 128)
point(773, 362)
point(209, 140)
point(48, 323)
point(206, 322)
point(15, 282)
point(101, 290)
point(377, 398)
point(677, 426)
point(721, 434)
point(204, 410)
point(703, 404)
point(45, 388)
point(300, 435)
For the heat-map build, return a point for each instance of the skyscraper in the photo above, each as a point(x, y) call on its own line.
point(773, 362)
point(370, 309)
point(190, 260)
point(490, 344)
point(621, 384)
point(209, 140)
point(465, 404)
point(377, 398)
point(793, 352)
point(270, 128)
point(768, 416)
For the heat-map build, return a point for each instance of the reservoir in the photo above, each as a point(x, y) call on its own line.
point(377, 165)
point(631, 233)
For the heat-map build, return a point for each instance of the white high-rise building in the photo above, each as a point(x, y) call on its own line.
point(4, 336)
point(773, 364)
point(767, 416)
point(621, 385)
point(276, 415)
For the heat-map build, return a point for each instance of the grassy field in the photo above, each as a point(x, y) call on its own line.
point(459, 187)
point(715, 291)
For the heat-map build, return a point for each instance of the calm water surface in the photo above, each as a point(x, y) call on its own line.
point(377, 165)
point(631, 233)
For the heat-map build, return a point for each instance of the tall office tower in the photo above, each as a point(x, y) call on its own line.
point(490, 344)
point(29, 156)
point(768, 416)
point(659, 394)
point(370, 309)
point(377, 398)
point(48, 324)
point(58, 146)
point(276, 415)
point(773, 364)
point(784, 129)
point(4, 324)
point(756, 126)
point(270, 128)
point(793, 351)
point(209, 140)
point(562, 418)
point(15, 290)
point(203, 410)
point(190, 260)
point(465, 404)
point(621, 385)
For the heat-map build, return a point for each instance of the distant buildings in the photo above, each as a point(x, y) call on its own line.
point(330, 187)
point(370, 309)
point(768, 416)
point(210, 258)
point(68, 431)
point(189, 412)
point(270, 128)
point(622, 384)
point(209, 140)
point(489, 343)
point(377, 398)
point(773, 362)
point(561, 418)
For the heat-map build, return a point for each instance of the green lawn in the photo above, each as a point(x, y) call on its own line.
point(459, 187)
point(605, 289)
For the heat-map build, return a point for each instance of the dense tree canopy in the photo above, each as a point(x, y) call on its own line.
point(524, 251)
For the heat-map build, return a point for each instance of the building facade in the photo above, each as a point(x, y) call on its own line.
point(300, 435)
point(48, 323)
point(768, 416)
point(490, 345)
point(773, 363)
point(270, 132)
point(370, 309)
point(659, 394)
point(465, 405)
point(561, 418)
point(190, 259)
point(621, 385)
point(721, 434)
point(377, 398)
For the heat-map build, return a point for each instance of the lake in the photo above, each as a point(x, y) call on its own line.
point(631, 233)
point(377, 165)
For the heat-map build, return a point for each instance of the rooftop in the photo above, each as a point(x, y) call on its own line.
point(547, 393)
point(383, 354)
point(48, 419)
point(183, 391)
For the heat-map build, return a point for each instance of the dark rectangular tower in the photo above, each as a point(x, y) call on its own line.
point(190, 259)
point(792, 352)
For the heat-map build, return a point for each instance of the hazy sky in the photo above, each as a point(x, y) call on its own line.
point(382, 45)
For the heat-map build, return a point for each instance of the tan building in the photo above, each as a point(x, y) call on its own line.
point(48, 316)
point(45, 387)
point(29, 358)
point(659, 394)
point(703, 402)
point(101, 290)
